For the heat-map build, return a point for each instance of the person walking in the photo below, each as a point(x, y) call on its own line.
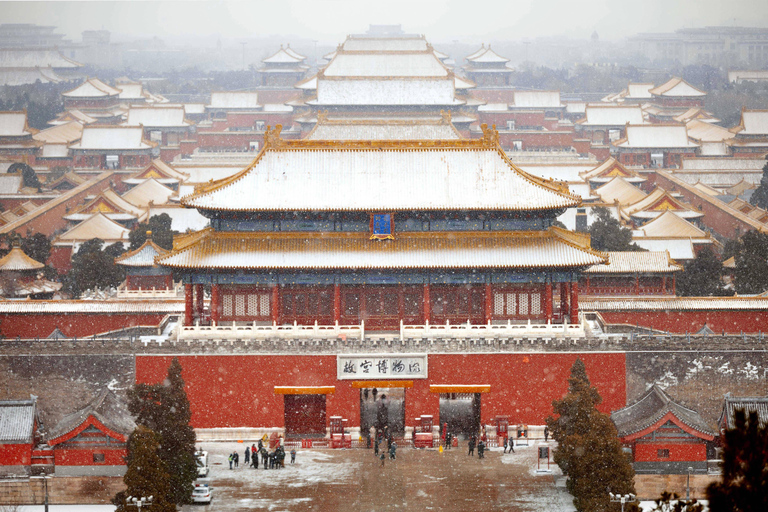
point(471, 452)
point(293, 455)
point(231, 460)
point(481, 449)
point(546, 434)
point(247, 456)
point(505, 445)
point(511, 445)
point(264, 457)
point(382, 458)
point(376, 447)
point(237, 458)
point(393, 450)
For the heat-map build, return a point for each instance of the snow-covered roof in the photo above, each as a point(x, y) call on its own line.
point(17, 421)
point(385, 44)
point(537, 99)
point(241, 100)
point(14, 124)
point(73, 115)
point(389, 92)
point(627, 262)
point(386, 65)
point(612, 115)
point(144, 256)
point(17, 260)
point(747, 75)
point(669, 225)
point(757, 404)
point(92, 88)
point(301, 175)
point(658, 202)
point(707, 132)
point(97, 226)
point(158, 117)
point(60, 134)
point(676, 88)
point(656, 136)
point(394, 129)
point(35, 58)
point(108, 203)
point(10, 183)
point(619, 189)
point(610, 169)
point(160, 171)
point(112, 137)
point(194, 108)
point(150, 191)
point(25, 76)
point(463, 83)
point(753, 122)
point(106, 408)
point(284, 56)
point(132, 91)
point(486, 55)
point(309, 84)
point(54, 307)
point(530, 249)
point(639, 90)
point(673, 303)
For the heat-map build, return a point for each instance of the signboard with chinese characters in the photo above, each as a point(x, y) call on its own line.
point(381, 366)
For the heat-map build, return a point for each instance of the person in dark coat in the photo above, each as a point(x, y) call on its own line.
point(393, 450)
point(264, 457)
point(376, 447)
point(293, 455)
point(505, 445)
point(471, 452)
point(236, 456)
point(511, 445)
point(546, 434)
point(481, 449)
point(231, 460)
point(247, 456)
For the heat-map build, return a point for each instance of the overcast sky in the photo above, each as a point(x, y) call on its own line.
point(441, 21)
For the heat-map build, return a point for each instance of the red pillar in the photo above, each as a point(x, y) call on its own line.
point(216, 305)
point(427, 305)
point(274, 304)
point(336, 303)
point(199, 294)
point(169, 282)
point(548, 302)
point(664, 285)
point(674, 284)
point(563, 299)
point(488, 303)
point(587, 290)
point(188, 297)
point(574, 303)
point(637, 284)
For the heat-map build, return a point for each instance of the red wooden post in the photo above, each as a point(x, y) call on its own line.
point(336, 303)
point(548, 302)
point(169, 282)
point(216, 305)
point(274, 304)
point(488, 303)
point(427, 305)
point(574, 303)
point(637, 284)
point(588, 285)
point(674, 284)
point(199, 294)
point(664, 285)
point(563, 300)
point(188, 296)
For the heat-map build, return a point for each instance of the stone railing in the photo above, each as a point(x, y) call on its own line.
point(235, 331)
point(151, 293)
point(489, 330)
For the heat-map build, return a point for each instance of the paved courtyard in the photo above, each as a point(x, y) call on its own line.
point(353, 480)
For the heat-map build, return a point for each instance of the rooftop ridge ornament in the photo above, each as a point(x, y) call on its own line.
point(272, 136)
point(446, 116)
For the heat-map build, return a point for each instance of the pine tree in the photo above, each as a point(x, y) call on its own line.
point(760, 195)
point(702, 276)
point(146, 475)
point(744, 483)
point(165, 409)
point(588, 450)
point(159, 225)
point(751, 274)
point(608, 234)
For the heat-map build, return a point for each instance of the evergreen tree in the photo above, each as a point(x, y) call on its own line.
point(146, 475)
point(93, 267)
point(588, 450)
point(159, 225)
point(609, 235)
point(760, 195)
point(165, 409)
point(702, 277)
point(751, 274)
point(744, 483)
point(37, 247)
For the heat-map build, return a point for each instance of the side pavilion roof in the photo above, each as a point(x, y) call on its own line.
point(303, 175)
point(210, 249)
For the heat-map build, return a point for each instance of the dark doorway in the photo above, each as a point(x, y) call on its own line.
point(462, 413)
point(380, 407)
point(304, 415)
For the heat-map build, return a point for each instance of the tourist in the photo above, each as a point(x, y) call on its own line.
point(505, 445)
point(376, 447)
point(471, 452)
point(236, 456)
point(546, 434)
point(247, 456)
point(481, 449)
point(231, 460)
point(511, 445)
point(392, 450)
point(293, 455)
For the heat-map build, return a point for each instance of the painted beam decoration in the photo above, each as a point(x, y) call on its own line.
point(381, 366)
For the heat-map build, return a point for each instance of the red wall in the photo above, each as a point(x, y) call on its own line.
point(84, 457)
point(28, 325)
point(15, 454)
point(646, 452)
point(733, 322)
point(238, 390)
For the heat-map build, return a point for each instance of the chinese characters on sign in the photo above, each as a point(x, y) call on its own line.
point(381, 366)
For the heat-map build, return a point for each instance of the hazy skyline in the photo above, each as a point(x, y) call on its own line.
point(329, 21)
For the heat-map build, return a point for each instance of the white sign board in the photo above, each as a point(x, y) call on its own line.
point(381, 366)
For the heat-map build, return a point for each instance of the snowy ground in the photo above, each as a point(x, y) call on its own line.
point(353, 480)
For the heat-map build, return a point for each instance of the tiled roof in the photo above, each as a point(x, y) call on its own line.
point(301, 175)
point(95, 307)
point(670, 225)
point(241, 100)
point(673, 304)
point(14, 124)
point(609, 169)
point(658, 202)
point(284, 56)
point(112, 138)
point(158, 117)
point(375, 91)
point(108, 203)
point(92, 88)
point(486, 55)
point(652, 407)
point(386, 65)
point(753, 122)
point(677, 87)
point(26, 76)
point(385, 44)
point(97, 226)
point(150, 191)
point(612, 115)
point(211, 249)
point(537, 99)
point(38, 286)
point(16, 260)
point(627, 262)
point(109, 410)
point(395, 129)
point(144, 256)
point(17, 421)
point(758, 404)
point(60, 134)
point(656, 136)
point(619, 189)
point(707, 132)
point(639, 90)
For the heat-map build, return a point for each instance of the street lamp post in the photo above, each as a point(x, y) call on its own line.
point(688, 484)
point(626, 498)
point(138, 502)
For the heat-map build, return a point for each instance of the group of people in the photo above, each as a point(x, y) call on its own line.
point(480, 447)
point(269, 460)
point(391, 446)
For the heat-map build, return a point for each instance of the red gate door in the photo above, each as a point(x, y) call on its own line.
point(304, 415)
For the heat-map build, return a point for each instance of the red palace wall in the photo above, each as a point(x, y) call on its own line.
point(733, 322)
point(29, 325)
point(648, 452)
point(84, 457)
point(238, 390)
point(15, 454)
